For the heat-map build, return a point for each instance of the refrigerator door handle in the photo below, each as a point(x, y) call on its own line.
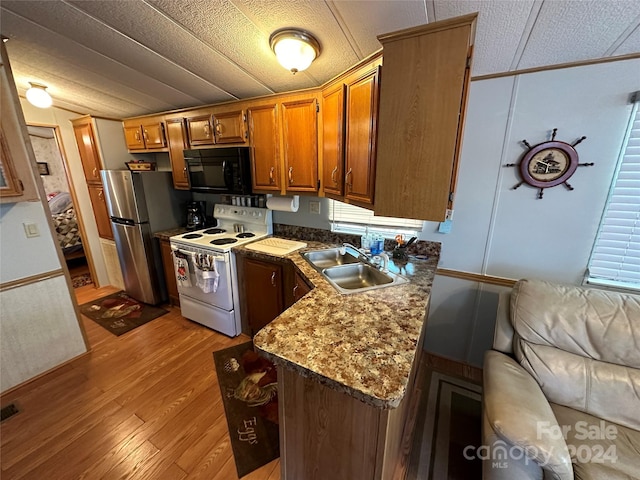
point(123, 221)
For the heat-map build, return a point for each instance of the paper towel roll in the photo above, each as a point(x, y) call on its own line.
point(284, 204)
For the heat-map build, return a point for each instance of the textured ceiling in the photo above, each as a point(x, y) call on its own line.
point(121, 58)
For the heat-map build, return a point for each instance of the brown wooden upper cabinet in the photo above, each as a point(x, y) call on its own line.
point(200, 131)
point(360, 137)
point(217, 128)
point(86, 140)
point(265, 140)
point(145, 135)
point(349, 121)
point(230, 127)
point(176, 139)
point(17, 179)
point(300, 141)
point(422, 104)
point(333, 139)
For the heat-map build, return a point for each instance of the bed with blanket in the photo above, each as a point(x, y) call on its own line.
point(66, 224)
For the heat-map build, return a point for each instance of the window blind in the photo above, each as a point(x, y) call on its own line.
point(615, 259)
point(352, 219)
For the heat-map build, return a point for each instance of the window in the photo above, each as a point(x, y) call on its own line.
point(351, 219)
point(615, 259)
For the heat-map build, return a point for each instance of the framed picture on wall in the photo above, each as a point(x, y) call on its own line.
point(43, 168)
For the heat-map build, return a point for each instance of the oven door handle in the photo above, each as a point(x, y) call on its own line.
point(189, 254)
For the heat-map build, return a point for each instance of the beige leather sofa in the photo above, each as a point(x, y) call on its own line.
point(562, 385)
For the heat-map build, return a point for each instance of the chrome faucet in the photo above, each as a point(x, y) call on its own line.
point(385, 261)
point(360, 253)
point(367, 258)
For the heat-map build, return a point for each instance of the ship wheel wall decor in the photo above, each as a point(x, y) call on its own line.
point(549, 164)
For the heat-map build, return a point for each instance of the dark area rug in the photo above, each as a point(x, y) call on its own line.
point(119, 313)
point(248, 385)
point(448, 431)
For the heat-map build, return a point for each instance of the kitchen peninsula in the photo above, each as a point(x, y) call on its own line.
point(347, 371)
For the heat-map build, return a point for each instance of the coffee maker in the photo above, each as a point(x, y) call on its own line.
point(196, 218)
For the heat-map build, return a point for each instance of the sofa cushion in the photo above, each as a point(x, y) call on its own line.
point(599, 450)
point(582, 346)
point(514, 406)
point(592, 323)
point(603, 389)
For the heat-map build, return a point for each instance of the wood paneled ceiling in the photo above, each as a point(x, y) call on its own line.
point(121, 58)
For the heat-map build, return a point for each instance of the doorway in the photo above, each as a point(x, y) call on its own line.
point(60, 195)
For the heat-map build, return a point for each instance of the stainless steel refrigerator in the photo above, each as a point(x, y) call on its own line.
point(140, 204)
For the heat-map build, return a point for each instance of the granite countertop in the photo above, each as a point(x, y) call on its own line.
point(362, 344)
point(165, 234)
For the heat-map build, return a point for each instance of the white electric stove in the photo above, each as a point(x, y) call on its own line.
point(219, 309)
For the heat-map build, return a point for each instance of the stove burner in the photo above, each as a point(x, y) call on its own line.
point(213, 231)
point(246, 235)
point(190, 236)
point(223, 241)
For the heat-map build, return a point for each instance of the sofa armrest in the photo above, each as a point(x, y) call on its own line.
point(518, 412)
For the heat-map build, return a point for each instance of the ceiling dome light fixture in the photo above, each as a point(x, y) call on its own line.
point(294, 49)
point(38, 96)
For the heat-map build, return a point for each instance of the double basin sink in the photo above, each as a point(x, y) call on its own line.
point(348, 273)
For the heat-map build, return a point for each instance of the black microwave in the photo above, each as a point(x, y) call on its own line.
point(219, 170)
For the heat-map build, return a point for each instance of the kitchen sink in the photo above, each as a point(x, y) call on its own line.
point(321, 259)
point(348, 274)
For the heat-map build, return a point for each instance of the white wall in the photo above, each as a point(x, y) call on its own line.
point(39, 330)
point(510, 233)
point(20, 256)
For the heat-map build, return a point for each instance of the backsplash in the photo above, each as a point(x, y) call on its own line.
point(421, 247)
point(314, 234)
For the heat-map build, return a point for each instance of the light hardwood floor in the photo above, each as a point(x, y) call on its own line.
point(145, 405)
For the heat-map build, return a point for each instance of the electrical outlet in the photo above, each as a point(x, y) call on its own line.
point(314, 207)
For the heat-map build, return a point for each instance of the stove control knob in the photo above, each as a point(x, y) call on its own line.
point(243, 212)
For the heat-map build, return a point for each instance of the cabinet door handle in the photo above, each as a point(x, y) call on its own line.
point(100, 195)
point(333, 175)
point(137, 136)
point(207, 130)
point(273, 279)
point(95, 171)
point(271, 175)
point(218, 128)
point(295, 289)
point(184, 172)
point(290, 175)
point(346, 179)
point(146, 135)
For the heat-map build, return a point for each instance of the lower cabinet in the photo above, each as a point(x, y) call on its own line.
point(300, 287)
point(96, 193)
point(267, 288)
point(169, 275)
point(263, 292)
point(376, 439)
